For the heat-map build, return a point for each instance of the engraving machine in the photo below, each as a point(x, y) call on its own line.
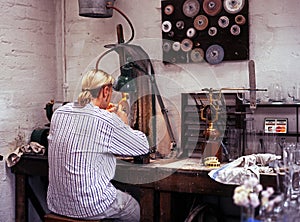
point(134, 63)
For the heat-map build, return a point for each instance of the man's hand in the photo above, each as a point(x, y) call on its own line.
point(111, 108)
point(122, 114)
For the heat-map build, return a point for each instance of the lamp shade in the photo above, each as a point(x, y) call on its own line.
point(95, 8)
point(126, 81)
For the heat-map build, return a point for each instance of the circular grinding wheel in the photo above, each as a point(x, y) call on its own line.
point(212, 7)
point(169, 9)
point(180, 24)
point(212, 31)
point(191, 8)
point(171, 34)
point(223, 21)
point(166, 46)
point(235, 30)
point(197, 55)
point(200, 22)
point(186, 45)
point(191, 32)
point(240, 20)
point(233, 6)
point(166, 26)
point(214, 54)
point(176, 46)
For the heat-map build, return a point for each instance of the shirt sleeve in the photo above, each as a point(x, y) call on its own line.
point(127, 141)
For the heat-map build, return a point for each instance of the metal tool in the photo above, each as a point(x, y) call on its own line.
point(252, 83)
point(212, 7)
point(169, 9)
point(200, 22)
point(197, 55)
point(191, 8)
point(235, 30)
point(233, 6)
point(214, 54)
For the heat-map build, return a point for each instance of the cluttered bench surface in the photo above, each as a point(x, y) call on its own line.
point(156, 182)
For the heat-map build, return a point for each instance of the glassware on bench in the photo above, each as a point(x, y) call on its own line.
point(296, 172)
point(284, 206)
point(252, 142)
point(291, 159)
point(276, 93)
point(292, 93)
point(234, 141)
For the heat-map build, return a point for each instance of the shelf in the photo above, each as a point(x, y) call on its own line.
point(237, 115)
point(274, 104)
point(231, 116)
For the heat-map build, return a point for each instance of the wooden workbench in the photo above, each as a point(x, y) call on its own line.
point(156, 182)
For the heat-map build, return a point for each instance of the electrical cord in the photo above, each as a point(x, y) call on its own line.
point(113, 46)
point(126, 18)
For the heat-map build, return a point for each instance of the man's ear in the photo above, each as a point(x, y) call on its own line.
point(105, 92)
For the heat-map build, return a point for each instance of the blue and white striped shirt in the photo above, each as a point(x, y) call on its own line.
point(82, 144)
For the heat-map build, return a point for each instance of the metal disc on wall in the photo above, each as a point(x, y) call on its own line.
point(212, 7)
point(233, 6)
point(186, 45)
point(223, 21)
point(212, 31)
point(171, 34)
point(197, 55)
point(214, 54)
point(166, 26)
point(176, 46)
point(169, 9)
point(166, 46)
point(200, 22)
point(191, 32)
point(240, 20)
point(191, 8)
point(235, 30)
point(180, 25)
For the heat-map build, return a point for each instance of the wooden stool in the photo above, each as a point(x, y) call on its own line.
point(58, 218)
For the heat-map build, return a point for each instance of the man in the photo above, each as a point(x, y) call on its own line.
point(83, 140)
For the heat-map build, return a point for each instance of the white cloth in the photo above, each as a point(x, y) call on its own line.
point(32, 148)
point(245, 166)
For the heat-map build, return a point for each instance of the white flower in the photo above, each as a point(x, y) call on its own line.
point(265, 194)
point(259, 188)
point(270, 190)
point(241, 197)
point(247, 194)
point(265, 197)
point(268, 203)
point(254, 201)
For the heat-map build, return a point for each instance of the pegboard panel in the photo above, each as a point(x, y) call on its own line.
point(195, 31)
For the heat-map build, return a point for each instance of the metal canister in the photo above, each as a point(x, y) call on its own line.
point(96, 8)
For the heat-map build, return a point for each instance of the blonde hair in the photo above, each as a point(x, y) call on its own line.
point(91, 84)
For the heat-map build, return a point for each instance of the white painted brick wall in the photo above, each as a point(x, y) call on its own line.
point(274, 45)
point(28, 80)
point(274, 41)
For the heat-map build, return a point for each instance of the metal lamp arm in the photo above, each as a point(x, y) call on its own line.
point(160, 102)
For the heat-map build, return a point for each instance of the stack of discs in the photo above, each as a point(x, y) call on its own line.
point(211, 162)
